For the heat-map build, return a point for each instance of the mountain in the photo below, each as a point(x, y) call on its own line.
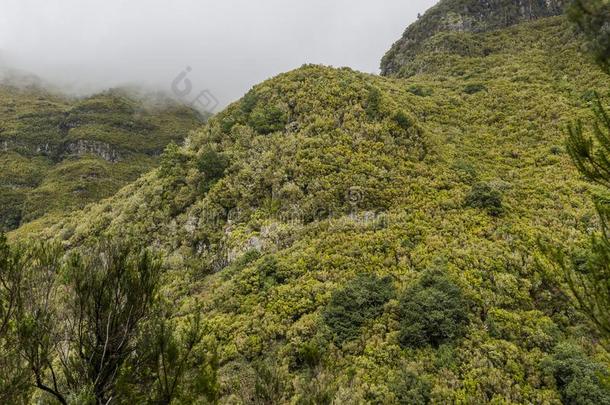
point(462, 16)
point(351, 238)
point(60, 153)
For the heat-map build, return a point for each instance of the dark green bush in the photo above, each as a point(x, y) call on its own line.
point(249, 102)
point(373, 104)
point(589, 96)
point(485, 197)
point(474, 88)
point(360, 301)
point(420, 91)
point(403, 120)
point(307, 355)
point(270, 270)
point(579, 379)
point(267, 120)
point(212, 164)
point(433, 311)
point(11, 208)
point(227, 124)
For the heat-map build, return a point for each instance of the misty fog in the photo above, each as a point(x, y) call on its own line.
point(224, 46)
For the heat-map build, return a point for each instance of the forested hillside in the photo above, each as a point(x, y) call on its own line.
point(459, 16)
point(57, 154)
point(342, 237)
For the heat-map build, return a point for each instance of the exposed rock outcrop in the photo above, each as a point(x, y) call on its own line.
point(100, 149)
point(60, 152)
point(464, 16)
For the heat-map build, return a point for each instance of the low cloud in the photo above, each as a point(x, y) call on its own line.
point(222, 46)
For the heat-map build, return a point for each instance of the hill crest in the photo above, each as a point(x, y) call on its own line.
point(464, 16)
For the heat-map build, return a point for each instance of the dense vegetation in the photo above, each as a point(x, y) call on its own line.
point(591, 17)
point(462, 16)
point(348, 238)
point(588, 273)
point(90, 328)
point(58, 154)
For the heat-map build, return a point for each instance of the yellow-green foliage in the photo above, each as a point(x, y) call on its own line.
point(43, 171)
point(331, 174)
point(449, 24)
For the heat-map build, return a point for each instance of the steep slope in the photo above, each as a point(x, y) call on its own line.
point(58, 154)
point(309, 222)
point(463, 16)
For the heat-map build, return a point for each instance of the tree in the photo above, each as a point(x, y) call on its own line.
point(432, 312)
point(593, 19)
point(77, 331)
point(411, 387)
point(360, 301)
point(83, 326)
point(14, 377)
point(114, 288)
point(579, 379)
point(171, 365)
point(589, 276)
point(213, 165)
point(36, 318)
point(485, 197)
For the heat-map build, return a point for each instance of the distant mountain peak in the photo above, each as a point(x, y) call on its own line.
point(465, 16)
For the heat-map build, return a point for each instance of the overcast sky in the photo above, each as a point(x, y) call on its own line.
point(230, 45)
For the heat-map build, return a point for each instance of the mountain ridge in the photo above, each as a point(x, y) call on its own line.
point(474, 16)
point(59, 152)
point(352, 238)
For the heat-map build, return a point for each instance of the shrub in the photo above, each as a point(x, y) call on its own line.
point(213, 165)
point(474, 88)
point(317, 389)
point(270, 270)
point(420, 91)
point(266, 120)
point(403, 120)
point(466, 172)
point(433, 311)
point(485, 197)
point(249, 102)
point(578, 378)
point(172, 161)
point(373, 103)
point(411, 388)
point(360, 301)
point(307, 355)
point(269, 385)
point(11, 208)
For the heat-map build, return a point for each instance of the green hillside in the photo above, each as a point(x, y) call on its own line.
point(462, 16)
point(57, 154)
point(349, 238)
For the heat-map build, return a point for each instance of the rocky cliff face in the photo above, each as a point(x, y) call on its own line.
point(464, 16)
point(59, 153)
point(99, 149)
